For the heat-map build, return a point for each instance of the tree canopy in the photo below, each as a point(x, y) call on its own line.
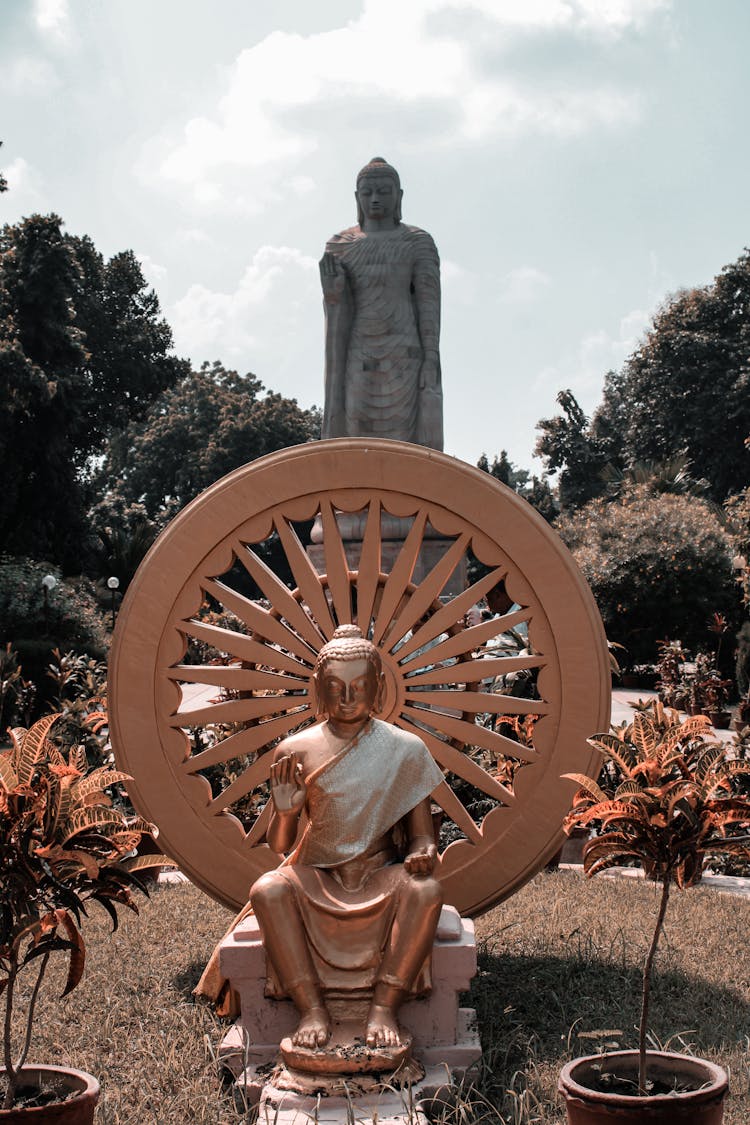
point(82, 350)
point(659, 565)
point(210, 422)
point(684, 393)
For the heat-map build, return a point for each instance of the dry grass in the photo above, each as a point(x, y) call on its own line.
point(558, 962)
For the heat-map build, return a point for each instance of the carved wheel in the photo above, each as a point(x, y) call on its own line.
point(216, 640)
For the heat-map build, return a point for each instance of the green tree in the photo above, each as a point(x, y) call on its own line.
point(568, 443)
point(535, 491)
point(210, 422)
point(688, 385)
point(659, 565)
point(683, 395)
point(82, 350)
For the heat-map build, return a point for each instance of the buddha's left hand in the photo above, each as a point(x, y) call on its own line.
point(429, 372)
point(421, 860)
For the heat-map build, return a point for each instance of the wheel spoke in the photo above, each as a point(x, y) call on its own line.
point(458, 763)
point(479, 702)
point(279, 595)
point(400, 576)
point(305, 575)
point(245, 742)
point(369, 567)
point(238, 710)
point(234, 678)
point(258, 830)
point(445, 618)
point(471, 734)
point(258, 619)
point(466, 641)
point(337, 568)
point(471, 671)
point(452, 807)
point(243, 647)
point(427, 592)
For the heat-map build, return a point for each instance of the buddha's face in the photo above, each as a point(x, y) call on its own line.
point(378, 197)
point(348, 690)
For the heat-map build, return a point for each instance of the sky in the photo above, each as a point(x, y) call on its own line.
point(576, 161)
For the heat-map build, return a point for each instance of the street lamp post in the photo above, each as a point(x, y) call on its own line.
point(48, 583)
point(113, 585)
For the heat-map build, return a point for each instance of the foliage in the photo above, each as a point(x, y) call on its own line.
point(683, 394)
point(70, 615)
point(63, 844)
point(737, 512)
point(125, 534)
point(209, 423)
point(742, 661)
point(658, 566)
point(569, 443)
point(82, 350)
point(670, 669)
point(17, 694)
point(668, 800)
point(687, 385)
point(80, 697)
point(535, 491)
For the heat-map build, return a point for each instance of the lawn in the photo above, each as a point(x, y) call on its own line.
point(559, 973)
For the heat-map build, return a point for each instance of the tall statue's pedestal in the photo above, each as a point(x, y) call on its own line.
point(444, 1036)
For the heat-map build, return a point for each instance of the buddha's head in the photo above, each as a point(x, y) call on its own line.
point(378, 192)
point(348, 676)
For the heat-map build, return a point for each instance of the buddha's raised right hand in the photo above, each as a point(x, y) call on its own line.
point(332, 278)
point(287, 784)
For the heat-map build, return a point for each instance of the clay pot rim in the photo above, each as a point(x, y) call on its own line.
point(717, 1079)
point(83, 1083)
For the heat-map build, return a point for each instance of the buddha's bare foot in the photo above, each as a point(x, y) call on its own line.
point(314, 1029)
point(382, 1027)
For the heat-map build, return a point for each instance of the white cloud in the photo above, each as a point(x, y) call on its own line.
point(29, 77)
point(282, 91)
point(598, 352)
point(271, 324)
point(155, 274)
point(523, 284)
point(52, 17)
point(24, 186)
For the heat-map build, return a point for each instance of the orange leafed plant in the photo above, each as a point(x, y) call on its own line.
point(666, 799)
point(62, 844)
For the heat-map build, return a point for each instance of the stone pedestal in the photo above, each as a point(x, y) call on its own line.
point(445, 1038)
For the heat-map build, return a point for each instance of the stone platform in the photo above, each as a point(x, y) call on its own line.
point(445, 1037)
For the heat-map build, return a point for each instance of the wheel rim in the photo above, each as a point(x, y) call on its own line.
point(434, 679)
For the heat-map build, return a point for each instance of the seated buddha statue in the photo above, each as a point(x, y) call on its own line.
point(353, 908)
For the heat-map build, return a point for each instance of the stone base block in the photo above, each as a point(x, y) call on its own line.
point(386, 1107)
point(445, 1037)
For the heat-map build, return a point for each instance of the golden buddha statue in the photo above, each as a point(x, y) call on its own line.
point(352, 911)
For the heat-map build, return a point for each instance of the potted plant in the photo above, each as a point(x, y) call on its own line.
point(709, 691)
point(63, 844)
point(670, 682)
point(667, 800)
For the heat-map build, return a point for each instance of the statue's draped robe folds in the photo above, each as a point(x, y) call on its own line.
point(353, 801)
point(376, 337)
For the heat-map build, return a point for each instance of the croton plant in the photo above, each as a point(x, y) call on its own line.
point(667, 800)
point(63, 843)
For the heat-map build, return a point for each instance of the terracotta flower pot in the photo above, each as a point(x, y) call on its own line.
point(696, 1106)
point(78, 1110)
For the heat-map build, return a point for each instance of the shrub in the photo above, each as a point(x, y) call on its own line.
point(659, 566)
point(71, 618)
